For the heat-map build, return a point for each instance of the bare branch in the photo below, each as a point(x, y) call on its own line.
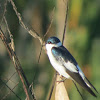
point(32, 89)
point(65, 22)
point(52, 87)
point(50, 23)
point(17, 63)
point(30, 31)
point(11, 37)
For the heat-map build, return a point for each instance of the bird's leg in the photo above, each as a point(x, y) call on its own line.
point(62, 80)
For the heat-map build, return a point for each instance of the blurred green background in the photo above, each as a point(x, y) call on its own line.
point(82, 40)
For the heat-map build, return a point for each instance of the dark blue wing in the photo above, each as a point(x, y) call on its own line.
point(63, 52)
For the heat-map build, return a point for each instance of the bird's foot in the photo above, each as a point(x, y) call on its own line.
point(61, 80)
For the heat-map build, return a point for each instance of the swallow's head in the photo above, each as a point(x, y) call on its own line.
point(53, 42)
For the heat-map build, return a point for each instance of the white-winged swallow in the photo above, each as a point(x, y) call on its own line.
point(66, 65)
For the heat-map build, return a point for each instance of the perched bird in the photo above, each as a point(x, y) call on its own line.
point(65, 64)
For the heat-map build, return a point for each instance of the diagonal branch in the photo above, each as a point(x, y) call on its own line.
point(30, 31)
point(16, 62)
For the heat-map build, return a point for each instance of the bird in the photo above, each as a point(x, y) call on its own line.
point(65, 64)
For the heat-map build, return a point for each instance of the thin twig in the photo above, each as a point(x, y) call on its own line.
point(50, 23)
point(15, 60)
point(8, 30)
point(65, 23)
point(5, 5)
point(30, 31)
point(78, 90)
point(9, 92)
point(10, 89)
point(11, 37)
point(8, 80)
point(32, 89)
point(53, 84)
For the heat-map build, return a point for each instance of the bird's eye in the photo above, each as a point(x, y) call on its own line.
point(49, 42)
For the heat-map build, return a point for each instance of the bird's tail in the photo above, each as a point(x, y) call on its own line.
point(84, 82)
point(89, 84)
point(89, 87)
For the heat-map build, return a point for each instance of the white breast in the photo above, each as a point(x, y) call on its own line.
point(58, 67)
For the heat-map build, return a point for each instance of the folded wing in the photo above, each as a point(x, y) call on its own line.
point(63, 56)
